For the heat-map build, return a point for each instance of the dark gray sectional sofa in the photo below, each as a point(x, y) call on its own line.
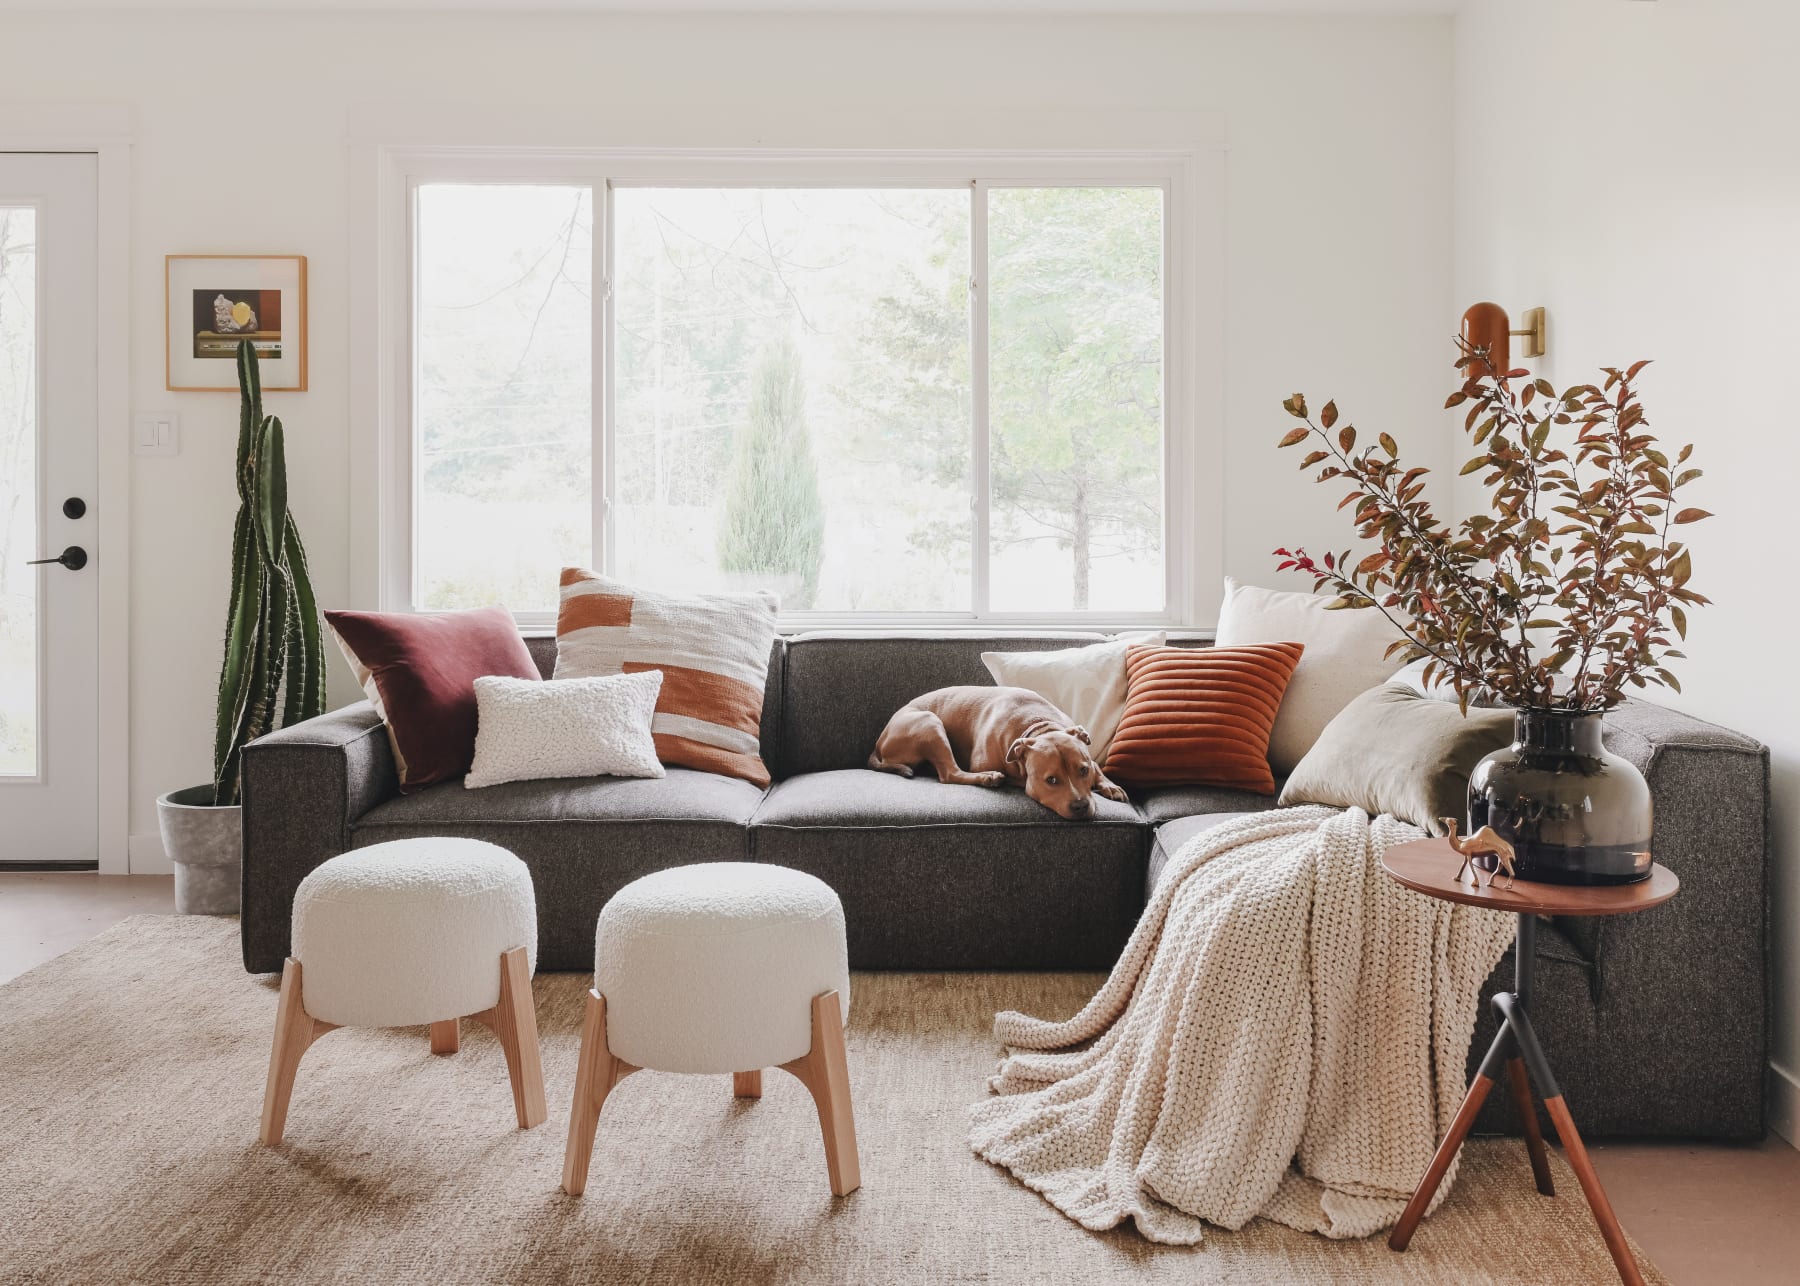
point(1656, 1022)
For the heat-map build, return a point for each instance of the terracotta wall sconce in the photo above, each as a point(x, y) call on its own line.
point(1486, 326)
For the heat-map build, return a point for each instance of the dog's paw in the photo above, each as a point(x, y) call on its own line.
point(989, 779)
point(1106, 790)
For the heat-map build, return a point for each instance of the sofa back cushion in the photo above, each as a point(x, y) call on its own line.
point(841, 690)
point(829, 695)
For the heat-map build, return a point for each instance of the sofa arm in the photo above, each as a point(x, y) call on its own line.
point(1682, 990)
point(303, 786)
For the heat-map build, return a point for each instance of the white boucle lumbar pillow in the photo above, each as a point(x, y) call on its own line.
point(528, 729)
point(1085, 683)
point(1345, 656)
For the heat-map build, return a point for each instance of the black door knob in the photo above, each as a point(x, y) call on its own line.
point(74, 507)
point(74, 558)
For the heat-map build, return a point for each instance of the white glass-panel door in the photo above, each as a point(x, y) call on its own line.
point(48, 352)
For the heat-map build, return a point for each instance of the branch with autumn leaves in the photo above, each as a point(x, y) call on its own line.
point(1568, 590)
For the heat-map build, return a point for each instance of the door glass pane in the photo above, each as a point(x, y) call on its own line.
point(792, 396)
point(505, 373)
point(1075, 337)
point(18, 492)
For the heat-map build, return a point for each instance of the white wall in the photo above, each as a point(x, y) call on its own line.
point(1338, 278)
point(1662, 136)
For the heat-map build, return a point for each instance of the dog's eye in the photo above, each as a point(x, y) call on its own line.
point(1049, 781)
point(1084, 770)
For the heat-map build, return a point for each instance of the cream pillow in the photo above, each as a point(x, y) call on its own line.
point(1343, 658)
point(528, 729)
point(1085, 683)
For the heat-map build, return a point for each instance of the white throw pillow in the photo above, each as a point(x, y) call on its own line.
point(529, 729)
point(1343, 658)
point(1085, 683)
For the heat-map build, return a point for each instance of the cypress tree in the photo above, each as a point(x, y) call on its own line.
point(774, 521)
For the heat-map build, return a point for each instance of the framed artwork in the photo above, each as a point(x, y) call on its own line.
point(216, 301)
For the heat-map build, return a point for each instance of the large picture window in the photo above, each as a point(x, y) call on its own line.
point(938, 400)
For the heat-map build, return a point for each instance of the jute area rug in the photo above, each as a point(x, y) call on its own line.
point(131, 1075)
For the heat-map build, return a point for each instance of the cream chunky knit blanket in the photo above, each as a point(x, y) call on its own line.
point(1285, 1036)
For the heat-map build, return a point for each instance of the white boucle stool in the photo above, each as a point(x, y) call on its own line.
point(721, 967)
point(414, 932)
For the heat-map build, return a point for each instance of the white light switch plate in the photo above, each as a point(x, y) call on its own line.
point(158, 433)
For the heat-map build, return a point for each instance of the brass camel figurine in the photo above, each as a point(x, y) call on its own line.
point(1482, 842)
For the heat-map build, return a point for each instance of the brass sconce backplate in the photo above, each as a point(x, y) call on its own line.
point(1533, 333)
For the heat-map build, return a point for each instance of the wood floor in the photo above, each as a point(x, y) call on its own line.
point(1705, 1212)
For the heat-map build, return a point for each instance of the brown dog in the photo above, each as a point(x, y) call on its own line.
point(1002, 734)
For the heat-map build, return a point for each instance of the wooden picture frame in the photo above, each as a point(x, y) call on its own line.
point(211, 302)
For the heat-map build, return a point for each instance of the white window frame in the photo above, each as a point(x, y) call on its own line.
point(1193, 200)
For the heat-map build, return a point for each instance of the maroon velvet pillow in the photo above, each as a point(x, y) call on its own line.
point(420, 672)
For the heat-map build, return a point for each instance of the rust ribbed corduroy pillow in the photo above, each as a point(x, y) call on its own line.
point(1201, 716)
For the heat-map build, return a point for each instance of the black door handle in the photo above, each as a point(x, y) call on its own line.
point(74, 558)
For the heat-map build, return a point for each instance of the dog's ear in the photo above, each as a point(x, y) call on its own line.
point(1016, 751)
point(1081, 734)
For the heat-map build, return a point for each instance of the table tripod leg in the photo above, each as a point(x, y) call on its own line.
point(1596, 1195)
point(1401, 1237)
point(1534, 1137)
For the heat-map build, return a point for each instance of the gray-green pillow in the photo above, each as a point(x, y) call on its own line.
point(1394, 751)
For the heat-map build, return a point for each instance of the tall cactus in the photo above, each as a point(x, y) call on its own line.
point(272, 629)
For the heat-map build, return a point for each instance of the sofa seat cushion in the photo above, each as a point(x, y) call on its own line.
point(582, 838)
point(851, 797)
point(1172, 837)
point(1168, 803)
point(959, 877)
point(683, 795)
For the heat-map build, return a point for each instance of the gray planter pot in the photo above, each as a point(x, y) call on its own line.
point(206, 844)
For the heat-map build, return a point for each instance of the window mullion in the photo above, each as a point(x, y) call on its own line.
point(407, 592)
point(602, 456)
point(980, 501)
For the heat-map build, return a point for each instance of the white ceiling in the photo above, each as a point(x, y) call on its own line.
point(972, 7)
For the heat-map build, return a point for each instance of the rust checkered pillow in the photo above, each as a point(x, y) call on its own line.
point(712, 649)
point(1201, 716)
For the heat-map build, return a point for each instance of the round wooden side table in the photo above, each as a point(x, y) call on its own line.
point(1430, 867)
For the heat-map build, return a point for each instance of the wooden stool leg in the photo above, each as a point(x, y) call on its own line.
point(1401, 1237)
point(515, 1023)
point(825, 1070)
point(595, 1075)
point(747, 1084)
point(295, 1031)
point(1610, 1231)
point(1534, 1137)
point(446, 1037)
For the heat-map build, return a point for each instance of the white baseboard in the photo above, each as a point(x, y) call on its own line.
point(1784, 1103)
point(147, 855)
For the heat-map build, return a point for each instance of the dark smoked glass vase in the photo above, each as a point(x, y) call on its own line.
point(1574, 812)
